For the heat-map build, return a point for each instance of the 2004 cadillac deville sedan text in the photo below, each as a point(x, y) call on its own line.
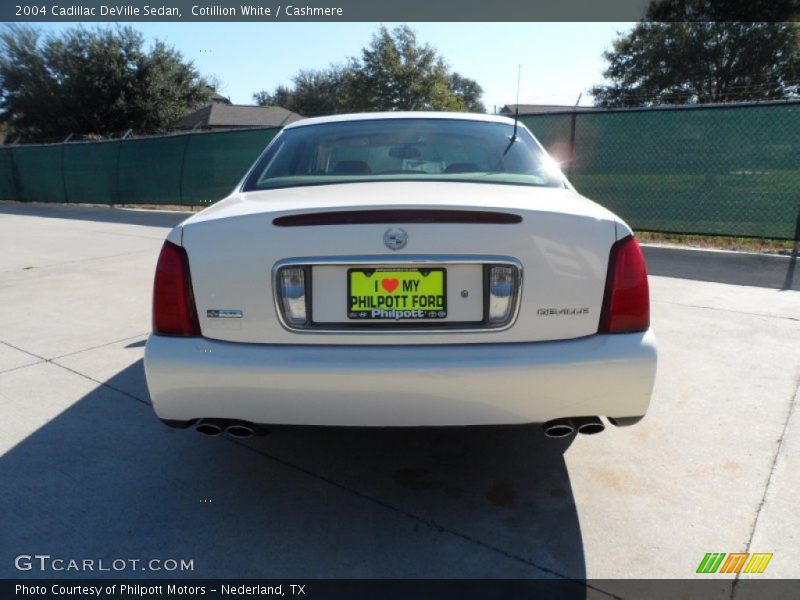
point(401, 269)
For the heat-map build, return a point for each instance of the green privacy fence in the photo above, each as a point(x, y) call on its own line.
point(726, 170)
point(723, 170)
point(191, 168)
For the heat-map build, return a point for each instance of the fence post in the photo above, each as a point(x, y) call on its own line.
point(115, 199)
point(15, 176)
point(572, 124)
point(63, 174)
point(573, 121)
point(183, 169)
point(787, 285)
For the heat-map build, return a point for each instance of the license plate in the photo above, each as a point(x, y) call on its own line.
point(396, 294)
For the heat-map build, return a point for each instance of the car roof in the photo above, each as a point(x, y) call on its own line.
point(456, 116)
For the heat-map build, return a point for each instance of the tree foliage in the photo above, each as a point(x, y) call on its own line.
point(313, 93)
point(705, 57)
point(395, 72)
point(92, 82)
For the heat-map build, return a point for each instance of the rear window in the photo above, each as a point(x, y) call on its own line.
point(404, 149)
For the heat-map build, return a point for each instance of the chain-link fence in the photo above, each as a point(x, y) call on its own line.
point(191, 168)
point(722, 170)
point(726, 170)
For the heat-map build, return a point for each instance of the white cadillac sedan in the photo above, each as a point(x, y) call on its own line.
point(401, 269)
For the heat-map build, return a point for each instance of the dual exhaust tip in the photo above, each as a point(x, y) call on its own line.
point(559, 428)
point(235, 429)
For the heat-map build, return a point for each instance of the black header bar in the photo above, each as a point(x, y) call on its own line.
point(378, 11)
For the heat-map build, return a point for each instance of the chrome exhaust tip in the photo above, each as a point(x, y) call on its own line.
point(624, 421)
point(208, 427)
point(240, 430)
point(588, 425)
point(558, 428)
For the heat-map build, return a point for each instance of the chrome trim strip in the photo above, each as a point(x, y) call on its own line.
point(408, 259)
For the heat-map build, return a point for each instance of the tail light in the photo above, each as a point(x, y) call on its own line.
point(174, 311)
point(626, 305)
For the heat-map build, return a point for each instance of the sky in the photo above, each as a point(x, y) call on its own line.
point(559, 61)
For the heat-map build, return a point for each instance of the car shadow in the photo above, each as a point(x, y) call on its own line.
point(104, 214)
point(105, 480)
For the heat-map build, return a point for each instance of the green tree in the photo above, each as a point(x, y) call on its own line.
point(88, 82)
point(395, 72)
point(701, 55)
point(313, 93)
point(468, 91)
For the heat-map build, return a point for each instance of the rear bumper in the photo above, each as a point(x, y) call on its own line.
point(466, 384)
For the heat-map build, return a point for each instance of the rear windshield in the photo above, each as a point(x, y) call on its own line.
point(403, 149)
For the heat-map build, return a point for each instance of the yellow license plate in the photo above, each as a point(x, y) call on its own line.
point(396, 294)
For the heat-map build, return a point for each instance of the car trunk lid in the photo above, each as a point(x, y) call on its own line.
point(559, 240)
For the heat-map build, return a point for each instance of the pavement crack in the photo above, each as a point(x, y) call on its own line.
point(18, 349)
point(52, 361)
point(40, 359)
point(125, 339)
point(17, 368)
point(794, 401)
point(102, 383)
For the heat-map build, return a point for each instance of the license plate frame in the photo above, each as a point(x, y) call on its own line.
point(423, 309)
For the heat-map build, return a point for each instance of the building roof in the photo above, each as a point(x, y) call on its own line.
point(217, 97)
point(219, 115)
point(463, 116)
point(533, 109)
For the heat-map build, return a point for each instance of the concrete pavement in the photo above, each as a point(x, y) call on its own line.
point(88, 472)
